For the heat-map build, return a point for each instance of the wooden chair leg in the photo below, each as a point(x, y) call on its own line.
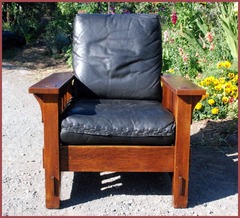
point(182, 152)
point(52, 187)
point(52, 178)
point(181, 173)
point(180, 191)
point(51, 151)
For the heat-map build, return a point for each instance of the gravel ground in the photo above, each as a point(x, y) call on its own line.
point(213, 173)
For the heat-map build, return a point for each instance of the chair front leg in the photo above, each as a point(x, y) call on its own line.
point(51, 150)
point(183, 115)
point(52, 93)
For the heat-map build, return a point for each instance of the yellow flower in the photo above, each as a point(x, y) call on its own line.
point(235, 95)
point(222, 80)
point(227, 64)
point(218, 88)
point(228, 90)
point(228, 85)
point(211, 101)
point(171, 70)
point(215, 110)
point(219, 64)
point(216, 82)
point(211, 78)
point(234, 88)
point(207, 82)
point(202, 83)
point(235, 79)
point(198, 106)
point(231, 75)
point(225, 100)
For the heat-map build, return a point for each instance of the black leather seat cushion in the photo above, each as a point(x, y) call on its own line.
point(106, 121)
point(118, 56)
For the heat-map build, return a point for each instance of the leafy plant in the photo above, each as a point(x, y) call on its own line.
point(26, 18)
point(57, 36)
point(198, 33)
point(228, 20)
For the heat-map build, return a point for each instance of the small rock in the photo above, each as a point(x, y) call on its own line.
point(34, 193)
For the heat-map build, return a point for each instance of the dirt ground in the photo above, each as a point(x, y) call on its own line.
point(213, 186)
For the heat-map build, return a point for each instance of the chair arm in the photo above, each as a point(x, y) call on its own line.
point(181, 86)
point(53, 92)
point(180, 95)
point(53, 84)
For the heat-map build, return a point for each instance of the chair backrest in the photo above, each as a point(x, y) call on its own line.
point(118, 56)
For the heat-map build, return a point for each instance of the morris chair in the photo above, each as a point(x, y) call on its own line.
point(116, 112)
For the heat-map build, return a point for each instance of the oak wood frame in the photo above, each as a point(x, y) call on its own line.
point(179, 96)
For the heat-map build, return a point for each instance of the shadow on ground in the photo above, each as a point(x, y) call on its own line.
point(32, 56)
point(213, 172)
point(214, 162)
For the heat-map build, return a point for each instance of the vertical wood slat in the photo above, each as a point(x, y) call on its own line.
point(165, 96)
point(65, 97)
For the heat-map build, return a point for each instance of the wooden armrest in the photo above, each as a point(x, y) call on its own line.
point(52, 84)
point(53, 93)
point(181, 86)
point(180, 95)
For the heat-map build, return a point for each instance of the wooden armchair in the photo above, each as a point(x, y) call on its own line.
point(97, 119)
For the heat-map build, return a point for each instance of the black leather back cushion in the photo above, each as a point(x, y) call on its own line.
point(118, 56)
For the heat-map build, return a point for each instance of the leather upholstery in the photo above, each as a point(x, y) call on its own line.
point(106, 121)
point(117, 61)
point(118, 56)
